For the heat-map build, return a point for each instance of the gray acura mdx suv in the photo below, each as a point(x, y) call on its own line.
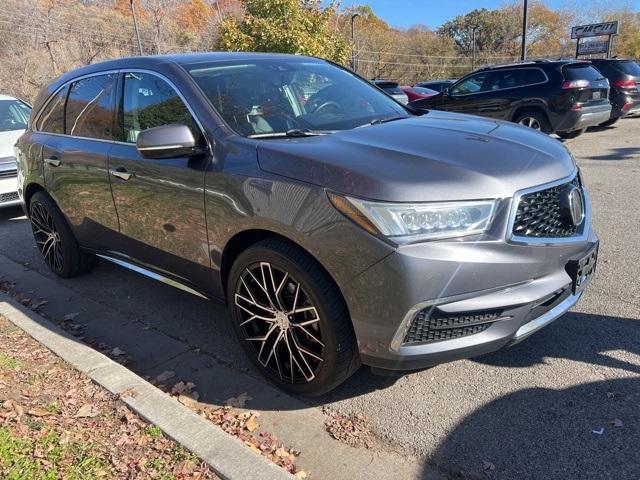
point(339, 227)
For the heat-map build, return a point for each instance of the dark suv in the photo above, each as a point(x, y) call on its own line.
point(561, 96)
point(624, 78)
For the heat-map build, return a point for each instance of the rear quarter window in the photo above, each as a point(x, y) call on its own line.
point(51, 120)
point(628, 68)
point(581, 71)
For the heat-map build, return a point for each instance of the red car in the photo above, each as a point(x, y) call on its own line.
point(416, 93)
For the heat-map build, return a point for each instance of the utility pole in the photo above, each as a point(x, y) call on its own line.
point(473, 52)
point(353, 44)
point(523, 56)
point(135, 24)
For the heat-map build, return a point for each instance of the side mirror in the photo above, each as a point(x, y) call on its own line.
point(166, 141)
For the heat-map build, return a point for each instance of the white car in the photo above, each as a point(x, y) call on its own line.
point(14, 116)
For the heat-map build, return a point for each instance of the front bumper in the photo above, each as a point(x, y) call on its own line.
point(474, 298)
point(8, 183)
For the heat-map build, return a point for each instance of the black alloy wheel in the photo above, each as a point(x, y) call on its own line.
point(55, 240)
point(290, 318)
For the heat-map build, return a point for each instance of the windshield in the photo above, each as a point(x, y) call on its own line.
point(14, 115)
point(279, 95)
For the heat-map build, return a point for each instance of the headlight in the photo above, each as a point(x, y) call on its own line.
point(411, 222)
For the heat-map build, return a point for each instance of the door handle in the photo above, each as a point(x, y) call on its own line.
point(120, 173)
point(53, 161)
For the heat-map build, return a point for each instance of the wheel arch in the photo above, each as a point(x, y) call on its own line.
point(531, 108)
point(28, 193)
point(245, 239)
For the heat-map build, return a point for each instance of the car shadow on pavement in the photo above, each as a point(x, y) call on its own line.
point(11, 213)
point(580, 337)
point(621, 153)
point(585, 431)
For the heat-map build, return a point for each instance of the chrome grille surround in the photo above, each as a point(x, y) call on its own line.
point(534, 215)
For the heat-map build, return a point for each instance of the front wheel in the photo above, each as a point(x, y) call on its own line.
point(291, 319)
point(58, 246)
point(535, 120)
point(570, 135)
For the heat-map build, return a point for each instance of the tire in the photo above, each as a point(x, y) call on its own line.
point(536, 120)
point(570, 135)
point(291, 319)
point(609, 122)
point(58, 246)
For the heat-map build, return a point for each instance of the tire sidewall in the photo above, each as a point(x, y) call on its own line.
point(67, 243)
point(325, 377)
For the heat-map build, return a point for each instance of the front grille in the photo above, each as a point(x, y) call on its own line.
point(9, 173)
point(8, 197)
point(432, 325)
point(539, 214)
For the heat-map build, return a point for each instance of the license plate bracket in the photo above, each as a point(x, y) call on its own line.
point(583, 269)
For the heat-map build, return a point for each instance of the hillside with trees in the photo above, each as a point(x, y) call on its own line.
point(42, 39)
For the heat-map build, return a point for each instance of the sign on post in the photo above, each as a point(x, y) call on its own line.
point(595, 30)
point(589, 48)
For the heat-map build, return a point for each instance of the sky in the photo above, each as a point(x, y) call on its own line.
point(433, 13)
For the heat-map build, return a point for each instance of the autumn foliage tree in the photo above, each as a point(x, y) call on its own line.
point(284, 26)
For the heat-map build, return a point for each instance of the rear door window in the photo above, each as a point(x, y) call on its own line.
point(89, 111)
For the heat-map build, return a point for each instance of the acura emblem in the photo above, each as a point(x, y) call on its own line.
point(572, 205)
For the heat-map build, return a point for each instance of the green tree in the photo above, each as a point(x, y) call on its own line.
point(284, 26)
point(497, 33)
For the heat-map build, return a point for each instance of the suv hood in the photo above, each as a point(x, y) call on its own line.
point(437, 157)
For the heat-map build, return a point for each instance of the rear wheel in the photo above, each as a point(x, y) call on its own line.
point(291, 319)
point(55, 240)
point(570, 135)
point(535, 120)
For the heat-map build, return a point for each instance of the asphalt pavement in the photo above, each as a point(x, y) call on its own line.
point(562, 404)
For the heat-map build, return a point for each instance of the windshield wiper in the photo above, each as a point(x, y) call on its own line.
point(377, 121)
point(294, 132)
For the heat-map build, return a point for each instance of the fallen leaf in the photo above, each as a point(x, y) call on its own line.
point(240, 401)
point(616, 423)
point(39, 412)
point(166, 375)
point(251, 424)
point(188, 402)
point(184, 468)
point(301, 474)
point(71, 316)
point(129, 392)
point(87, 411)
point(488, 465)
point(116, 352)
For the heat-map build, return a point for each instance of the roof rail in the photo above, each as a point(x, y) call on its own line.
point(517, 62)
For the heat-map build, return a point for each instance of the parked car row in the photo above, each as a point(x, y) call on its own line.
point(553, 96)
point(14, 116)
point(340, 227)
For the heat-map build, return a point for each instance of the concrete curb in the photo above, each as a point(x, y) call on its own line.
point(229, 458)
